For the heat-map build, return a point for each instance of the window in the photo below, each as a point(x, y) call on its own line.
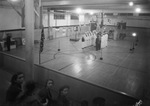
point(130, 14)
point(59, 16)
point(108, 14)
point(125, 14)
point(74, 17)
point(144, 14)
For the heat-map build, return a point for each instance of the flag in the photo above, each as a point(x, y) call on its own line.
point(102, 23)
point(42, 40)
point(102, 20)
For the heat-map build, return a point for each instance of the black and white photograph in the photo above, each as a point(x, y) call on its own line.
point(74, 52)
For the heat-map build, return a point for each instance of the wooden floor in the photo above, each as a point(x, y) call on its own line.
point(120, 70)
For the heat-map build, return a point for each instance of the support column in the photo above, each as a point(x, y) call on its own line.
point(37, 12)
point(102, 19)
point(23, 16)
point(41, 17)
point(48, 13)
point(29, 37)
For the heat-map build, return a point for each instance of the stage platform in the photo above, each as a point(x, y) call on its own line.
point(120, 70)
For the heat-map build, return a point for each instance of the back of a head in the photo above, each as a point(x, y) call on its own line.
point(30, 86)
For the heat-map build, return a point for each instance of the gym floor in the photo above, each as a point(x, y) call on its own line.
point(121, 70)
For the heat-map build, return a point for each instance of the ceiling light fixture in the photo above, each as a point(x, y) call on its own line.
point(137, 10)
point(131, 3)
point(134, 34)
point(91, 13)
point(78, 10)
point(14, 0)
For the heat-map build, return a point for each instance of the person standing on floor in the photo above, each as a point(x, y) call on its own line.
point(8, 41)
point(98, 42)
point(15, 89)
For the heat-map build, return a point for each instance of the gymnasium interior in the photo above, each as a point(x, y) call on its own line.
point(56, 39)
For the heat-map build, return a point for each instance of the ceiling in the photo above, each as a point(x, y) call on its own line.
point(94, 5)
point(98, 5)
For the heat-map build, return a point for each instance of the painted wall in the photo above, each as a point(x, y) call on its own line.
point(81, 19)
point(9, 19)
point(87, 19)
point(58, 22)
point(131, 21)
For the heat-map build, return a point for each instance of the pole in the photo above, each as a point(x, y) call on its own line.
point(39, 58)
point(41, 15)
point(48, 10)
point(101, 58)
point(23, 16)
point(136, 41)
point(59, 45)
point(131, 46)
point(29, 38)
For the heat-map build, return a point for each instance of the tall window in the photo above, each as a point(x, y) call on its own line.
point(125, 14)
point(59, 16)
point(144, 14)
point(74, 17)
point(108, 14)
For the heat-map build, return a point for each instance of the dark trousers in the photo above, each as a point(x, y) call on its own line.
point(98, 46)
point(8, 46)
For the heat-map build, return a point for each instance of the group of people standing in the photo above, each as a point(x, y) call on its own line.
point(21, 93)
